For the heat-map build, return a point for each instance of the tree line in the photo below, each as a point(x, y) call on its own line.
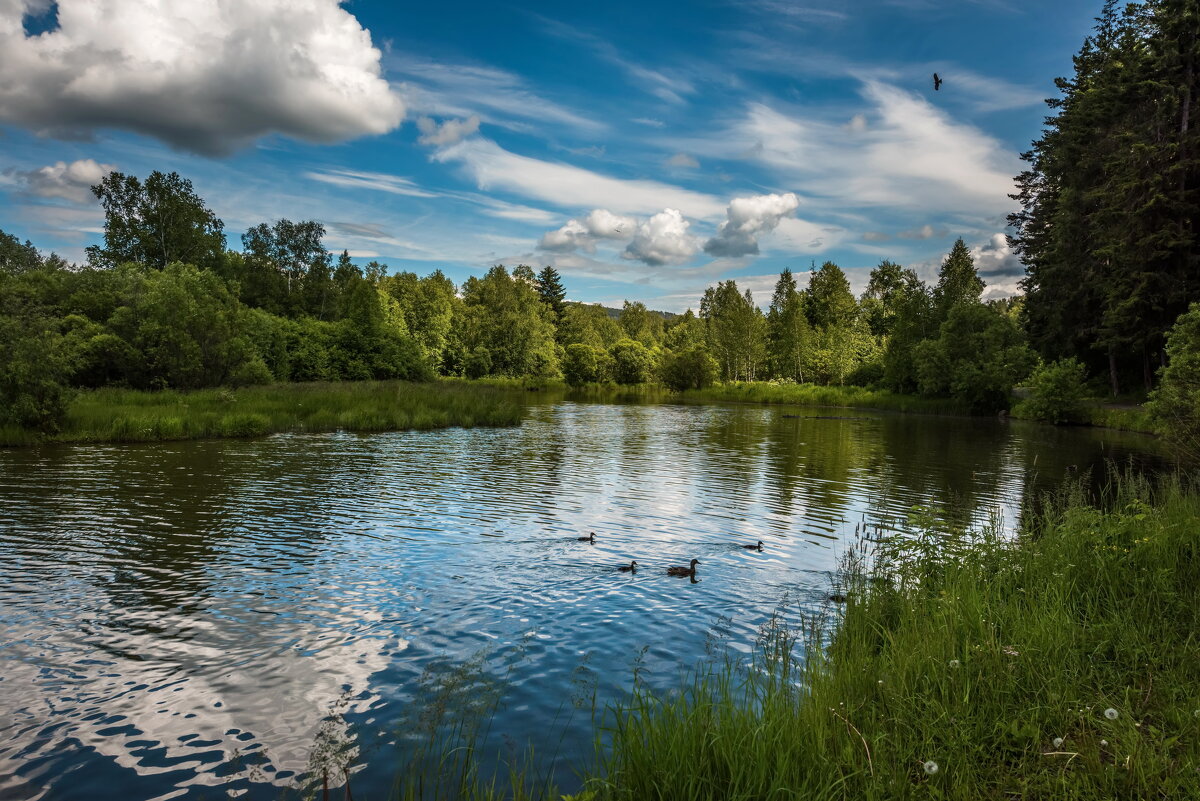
point(164, 303)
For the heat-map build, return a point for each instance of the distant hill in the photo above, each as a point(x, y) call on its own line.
point(616, 313)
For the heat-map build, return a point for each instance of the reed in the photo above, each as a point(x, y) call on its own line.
point(119, 415)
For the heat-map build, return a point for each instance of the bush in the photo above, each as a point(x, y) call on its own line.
point(583, 364)
point(34, 366)
point(632, 362)
point(693, 368)
point(1175, 405)
point(1057, 393)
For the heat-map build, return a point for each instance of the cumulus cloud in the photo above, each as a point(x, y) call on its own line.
point(207, 77)
point(72, 182)
point(995, 259)
point(449, 132)
point(662, 239)
point(683, 160)
point(747, 218)
point(582, 234)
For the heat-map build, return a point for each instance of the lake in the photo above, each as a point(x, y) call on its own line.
point(186, 620)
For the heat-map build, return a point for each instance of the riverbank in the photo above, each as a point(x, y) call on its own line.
point(1062, 665)
point(814, 395)
point(118, 415)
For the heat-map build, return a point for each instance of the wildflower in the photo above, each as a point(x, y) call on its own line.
point(954, 663)
point(1010, 651)
point(1104, 743)
point(1058, 741)
point(1111, 713)
point(931, 767)
point(879, 682)
point(1196, 714)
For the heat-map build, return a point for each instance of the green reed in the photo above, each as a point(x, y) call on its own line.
point(813, 395)
point(120, 415)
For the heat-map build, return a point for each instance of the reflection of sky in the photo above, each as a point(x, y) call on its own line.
point(164, 606)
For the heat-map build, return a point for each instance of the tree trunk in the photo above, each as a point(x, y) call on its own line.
point(1112, 372)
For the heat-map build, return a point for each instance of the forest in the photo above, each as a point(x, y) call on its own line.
point(1105, 227)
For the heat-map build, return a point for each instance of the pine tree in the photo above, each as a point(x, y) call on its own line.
point(550, 289)
point(958, 282)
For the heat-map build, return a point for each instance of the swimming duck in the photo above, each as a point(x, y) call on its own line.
point(837, 598)
point(629, 568)
point(675, 570)
point(758, 547)
point(589, 538)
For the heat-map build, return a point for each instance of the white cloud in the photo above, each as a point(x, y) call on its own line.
point(583, 233)
point(747, 218)
point(914, 156)
point(381, 182)
point(662, 239)
point(491, 166)
point(926, 231)
point(498, 97)
point(857, 124)
point(996, 262)
point(683, 160)
point(449, 132)
point(202, 76)
point(876, 236)
point(72, 182)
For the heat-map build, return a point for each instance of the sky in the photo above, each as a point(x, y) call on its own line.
point(644, 149)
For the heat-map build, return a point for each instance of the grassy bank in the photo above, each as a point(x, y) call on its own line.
point(1064, 665)
point(115, 415)
point(1123, 417)
point(813, 395)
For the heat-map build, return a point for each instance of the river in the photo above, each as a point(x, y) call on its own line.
point(186, 619)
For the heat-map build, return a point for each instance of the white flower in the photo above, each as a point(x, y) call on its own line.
point(954, 663)
point(1196, 714)
point(1111, 713)
point(1058, 741)
point(879, 682)
point(931, 767)
point(1104, 743)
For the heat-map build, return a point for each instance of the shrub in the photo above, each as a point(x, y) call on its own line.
point(632, 362)
point(1057, 393)
point(583, 364)
point(693, 368)
point(1175, 405)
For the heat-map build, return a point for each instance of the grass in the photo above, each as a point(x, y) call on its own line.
point(958, 663)
point(116, 415)
point(813, 395)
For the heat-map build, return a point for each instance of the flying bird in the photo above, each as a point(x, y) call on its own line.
point(937, 82)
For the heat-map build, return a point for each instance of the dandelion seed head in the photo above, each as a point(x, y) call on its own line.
point(1058, 741)
point(931, 767)
point(1111, 713)
point(954, 663)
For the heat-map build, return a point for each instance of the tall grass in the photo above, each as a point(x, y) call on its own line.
point(116, 415)
point(813, 395)
point(981, 670)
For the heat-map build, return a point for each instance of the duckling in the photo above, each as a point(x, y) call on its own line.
point(589, 538)
point(758, 547)
point(675, 570)
point(629, 568)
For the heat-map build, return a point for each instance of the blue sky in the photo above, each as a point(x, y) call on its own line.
point(645, 149)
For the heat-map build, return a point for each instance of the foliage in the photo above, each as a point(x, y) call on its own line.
point(958, 282)
point(690, 368)
point(632, 362)
point(789, 335)
point(550, 290)
point(1057, 393)
point(157, 222)
point(1175, 405)
point(1108, 202)
point(504, 315)
point(585, 364)
point(35, 363)
point(978, 357)
point(734, 330)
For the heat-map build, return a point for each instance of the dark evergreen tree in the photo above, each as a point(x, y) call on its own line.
point(551, 291)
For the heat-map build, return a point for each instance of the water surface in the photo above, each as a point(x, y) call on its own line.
point(165, 608)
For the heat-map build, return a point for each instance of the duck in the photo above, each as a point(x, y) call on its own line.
point(675, 570)
point(629, 568)
point(589, 538)
point(837, 598)
point(758, 547)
